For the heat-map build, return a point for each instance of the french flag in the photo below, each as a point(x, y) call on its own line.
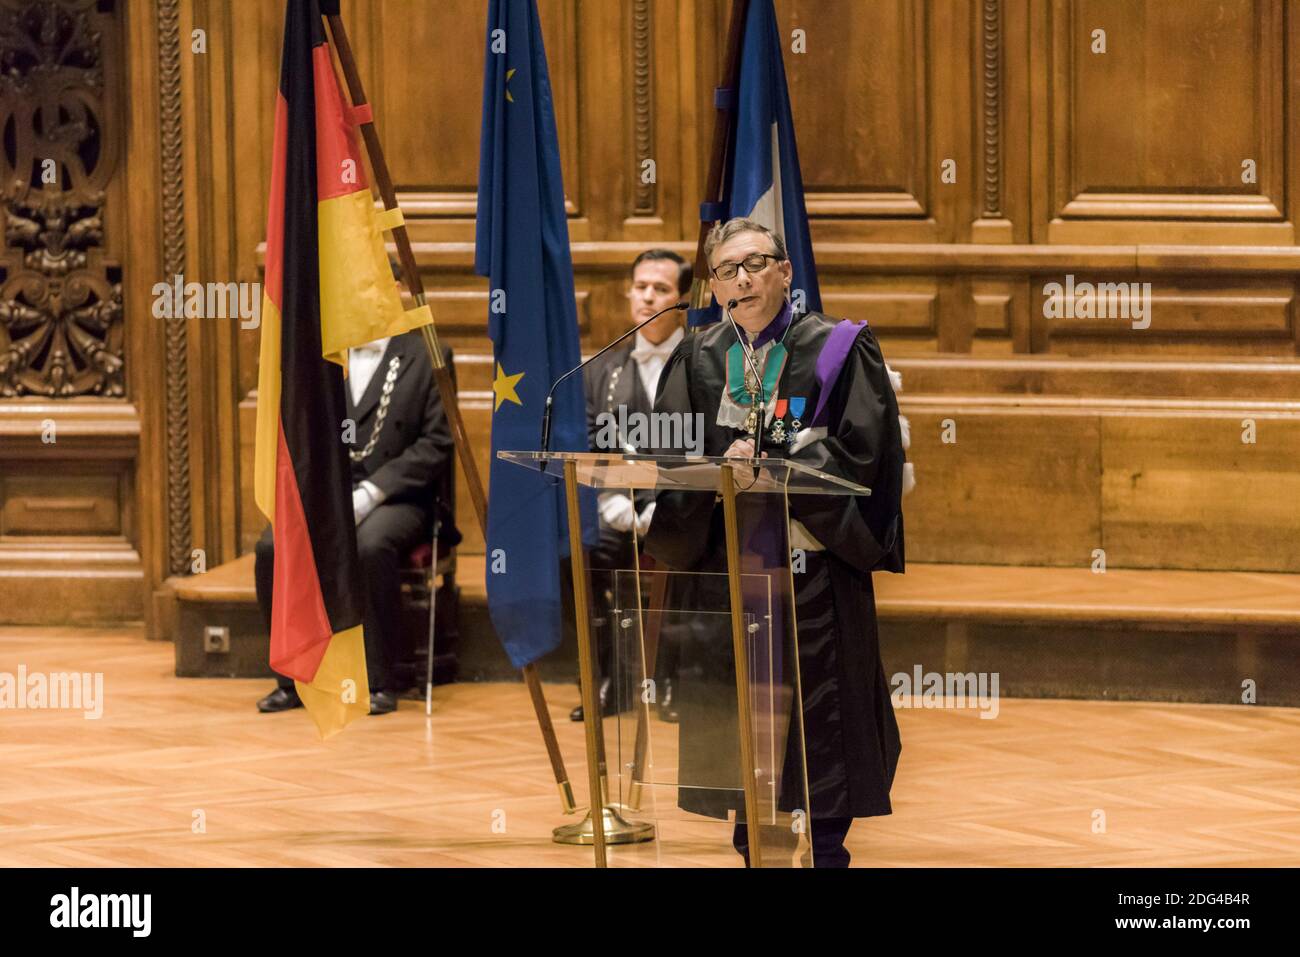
point(762, 180)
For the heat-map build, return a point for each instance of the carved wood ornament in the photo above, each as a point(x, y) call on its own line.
point(61, 329)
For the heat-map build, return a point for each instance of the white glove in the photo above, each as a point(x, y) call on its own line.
point(905, 428)
point(364, 499)
point(643, 520)
point(617, 511)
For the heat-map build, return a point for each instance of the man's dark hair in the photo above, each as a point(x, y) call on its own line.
point(684, 271)
point(721, 232)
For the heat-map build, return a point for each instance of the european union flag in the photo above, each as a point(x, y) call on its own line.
point(523, 248)
point(762, 180)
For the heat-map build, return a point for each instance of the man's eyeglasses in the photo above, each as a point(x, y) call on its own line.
point(753, 264)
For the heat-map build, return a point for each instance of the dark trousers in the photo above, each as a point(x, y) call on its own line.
point(613, 552)
point(384, 540)
point(828, 834)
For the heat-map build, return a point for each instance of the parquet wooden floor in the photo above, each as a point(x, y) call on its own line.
point(1178, 785)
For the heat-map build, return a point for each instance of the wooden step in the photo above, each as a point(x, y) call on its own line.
point(968, 592)
point(231, 582)
point(1049, 632)
point(993, 592)
point(1027, 594)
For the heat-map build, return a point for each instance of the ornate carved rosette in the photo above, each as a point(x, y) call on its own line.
point(60, 300)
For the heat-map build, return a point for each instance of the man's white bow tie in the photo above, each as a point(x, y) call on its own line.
point(642, 353)
point(368, 349)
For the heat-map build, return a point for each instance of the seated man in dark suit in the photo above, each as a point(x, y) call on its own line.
point(626, 378)
point(401, 449)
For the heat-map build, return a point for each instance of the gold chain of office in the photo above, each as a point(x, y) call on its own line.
point(385, 398)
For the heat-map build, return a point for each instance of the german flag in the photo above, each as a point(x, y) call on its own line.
point(328, 287)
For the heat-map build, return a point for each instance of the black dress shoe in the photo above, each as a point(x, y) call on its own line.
point(608, 705)
point(382, 702)
point(281, 699)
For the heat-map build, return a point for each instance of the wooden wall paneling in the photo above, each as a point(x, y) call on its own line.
point(68, 519)
point(1241, 316)
point(142, 176)
point(952, 111)
point(904, 311)
point(1012, 489)
point(77, 501)
point(709, 34)
point(1100, 380)
point(626, 77)
point(1291, 115)
point(644, 203)
point(1185, 491)
point(955, 315)
point(687, 61)
point(1000, 308)
point(566, 45)
point(869, 154)
point(1145, 142)
point(1000, 121)
point(605, 109)
point(429, 118)
point(211, 244)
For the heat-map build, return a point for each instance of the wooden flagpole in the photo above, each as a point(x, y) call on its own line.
point(441, 374)
point(718, 157)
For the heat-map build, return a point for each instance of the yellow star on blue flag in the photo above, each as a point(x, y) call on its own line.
point(503, 387)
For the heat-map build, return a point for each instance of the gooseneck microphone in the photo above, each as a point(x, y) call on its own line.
point(753, 367)
point(550, 396)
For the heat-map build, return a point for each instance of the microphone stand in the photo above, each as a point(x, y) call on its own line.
point(550, 396)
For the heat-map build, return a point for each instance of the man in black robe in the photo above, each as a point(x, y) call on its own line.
point(828, 404)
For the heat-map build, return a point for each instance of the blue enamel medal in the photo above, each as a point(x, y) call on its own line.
point(797, 404)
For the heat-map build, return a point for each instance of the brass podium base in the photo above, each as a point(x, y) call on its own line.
point(617, 831)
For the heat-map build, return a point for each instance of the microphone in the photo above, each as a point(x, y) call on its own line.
point(753, 367)
point(550, 396)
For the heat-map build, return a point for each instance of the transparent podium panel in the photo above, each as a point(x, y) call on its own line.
point(708, 684)
point(679, 763)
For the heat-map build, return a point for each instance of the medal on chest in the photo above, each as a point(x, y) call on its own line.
point(778, 429)
point(797, 404)
point(748, 390)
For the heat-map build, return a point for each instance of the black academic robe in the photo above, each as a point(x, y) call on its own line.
point(850, 732)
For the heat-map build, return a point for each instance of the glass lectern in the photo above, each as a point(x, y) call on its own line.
point(728, 635)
